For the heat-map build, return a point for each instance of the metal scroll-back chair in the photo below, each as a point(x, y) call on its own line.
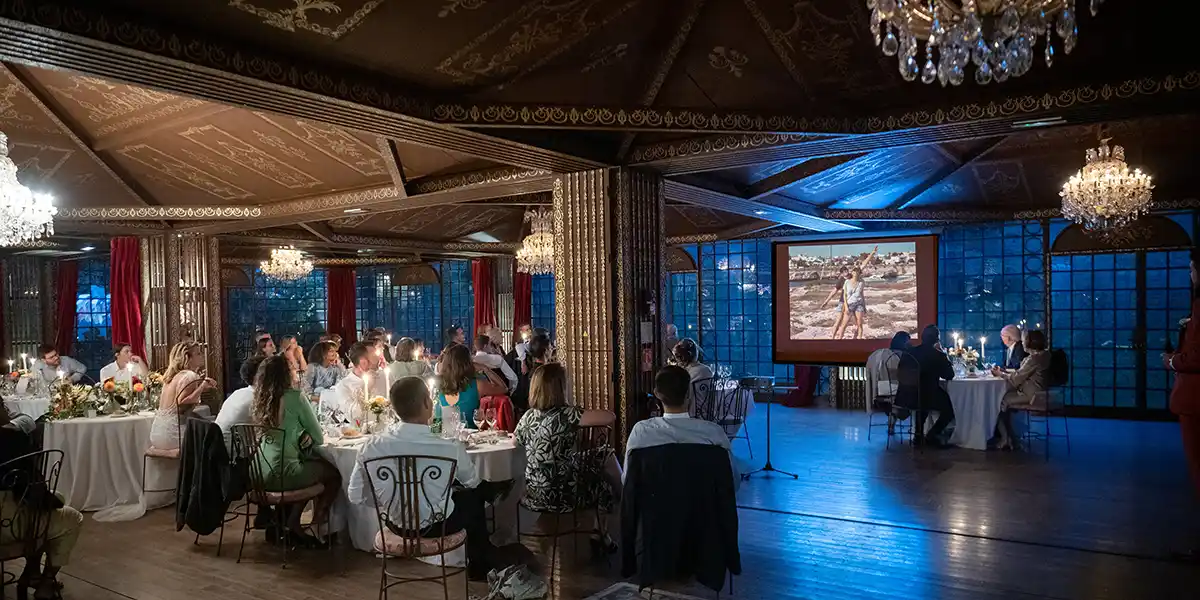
point(726, 407)
point(883, 398)
point(398, 485)
point(1049, 404)
point(703, 397)
point(247, 446)
point(167, 453)
point(590, 445)
point(25, 477)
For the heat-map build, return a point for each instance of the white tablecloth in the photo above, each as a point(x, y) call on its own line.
point(976, 409)
point(494, 462)
point(34, 406)
point(102, 463)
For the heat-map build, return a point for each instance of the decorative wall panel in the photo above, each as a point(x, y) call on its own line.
point(22, 307)
point(154, 300)
point(503, 269)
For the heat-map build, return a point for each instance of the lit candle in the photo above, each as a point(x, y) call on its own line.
point(25, 361)
point(366, 388)
point(10, 364)
point(416, 355)
point(60, 375)
point(389, 339)
point(982, 348)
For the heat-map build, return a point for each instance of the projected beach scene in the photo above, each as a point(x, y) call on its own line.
point(852, 291)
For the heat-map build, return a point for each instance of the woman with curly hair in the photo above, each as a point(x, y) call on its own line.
point(287, 460)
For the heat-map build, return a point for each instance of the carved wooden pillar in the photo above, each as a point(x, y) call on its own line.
point(608, 251)
point(181, 289)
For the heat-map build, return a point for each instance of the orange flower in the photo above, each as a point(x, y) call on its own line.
point(138, 387)
point(110, 385)
point(14, 375)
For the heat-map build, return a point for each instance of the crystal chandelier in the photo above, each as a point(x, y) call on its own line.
point(287, 264)
point(536, 255)
point(997, 36)
point(26, 216)
point(1105, 195)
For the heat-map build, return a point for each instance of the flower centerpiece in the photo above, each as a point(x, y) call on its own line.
point(153, 387)
point(377, 407)
point(967, 356)
point(69, 400)
point(117, 395)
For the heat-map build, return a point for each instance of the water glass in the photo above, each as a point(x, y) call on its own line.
point(490, 417)
point(480, 417)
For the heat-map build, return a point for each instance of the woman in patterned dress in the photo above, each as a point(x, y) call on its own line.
point(558, 478)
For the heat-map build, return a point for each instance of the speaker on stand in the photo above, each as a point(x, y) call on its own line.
point(763, 388)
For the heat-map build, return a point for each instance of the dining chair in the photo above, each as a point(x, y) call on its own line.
point(24, 477)
point(166, 453)
point(1046, 406)
point(247, 447)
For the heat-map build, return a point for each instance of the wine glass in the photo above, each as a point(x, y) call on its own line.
point(490, 416)
point(480, 417)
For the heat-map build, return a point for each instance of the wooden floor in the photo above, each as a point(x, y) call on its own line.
point(860, 522)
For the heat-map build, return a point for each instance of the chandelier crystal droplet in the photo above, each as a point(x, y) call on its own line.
point(536, 255)
point(287, 264)
point(27, 216)
point(1105, 194)
point(997, 36)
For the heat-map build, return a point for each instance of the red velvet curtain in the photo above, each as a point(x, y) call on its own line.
point(339, 282)
point(125, 286)
point(64, 314)
point(483, 281)
point(522, 300)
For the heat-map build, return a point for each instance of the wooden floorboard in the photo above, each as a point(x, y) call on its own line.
point(860, 522)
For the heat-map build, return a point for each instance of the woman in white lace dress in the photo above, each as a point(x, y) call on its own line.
point(182, 388)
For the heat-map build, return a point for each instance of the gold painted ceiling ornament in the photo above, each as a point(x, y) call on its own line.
point(1105, 194)
point(536, 255)
point(25, 216)
point(287, 264)
point(997, 36)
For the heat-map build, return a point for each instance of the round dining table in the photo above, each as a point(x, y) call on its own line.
point(977, 402)
point(501, 461)
point(102, 461)
point(34, 406)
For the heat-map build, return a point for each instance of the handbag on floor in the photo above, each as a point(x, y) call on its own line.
point(516, 582)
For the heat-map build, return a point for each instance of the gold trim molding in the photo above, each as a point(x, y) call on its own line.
point(179, 213)
point(331, 262)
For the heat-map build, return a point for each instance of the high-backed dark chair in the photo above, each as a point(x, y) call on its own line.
point(1049, 404)
point(908, 396)
point(27, 478)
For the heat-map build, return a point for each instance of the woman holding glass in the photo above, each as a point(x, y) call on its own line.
point(324, 370)
point(183, 386)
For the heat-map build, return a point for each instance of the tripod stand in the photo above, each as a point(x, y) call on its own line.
point(765, 384)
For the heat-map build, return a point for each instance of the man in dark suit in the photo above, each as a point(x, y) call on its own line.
point(1014, 351)
point(928, 394)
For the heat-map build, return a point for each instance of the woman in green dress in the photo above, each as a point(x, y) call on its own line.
point(290, 462)
point(464, 382)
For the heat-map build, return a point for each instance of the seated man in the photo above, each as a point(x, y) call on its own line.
point(351, 389)
point(48, 368)
point(1014, 349)
point(484, 356)
point(676, 426)
point(928, 394)
point(411, 400)
point(236, 408)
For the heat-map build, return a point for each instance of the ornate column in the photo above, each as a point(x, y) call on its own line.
point(608, 250)
point(181, 285)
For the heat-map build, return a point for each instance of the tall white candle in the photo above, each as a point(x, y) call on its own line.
point(982, 348)
point(10, 364)
point(25, 361)
point(366, 388)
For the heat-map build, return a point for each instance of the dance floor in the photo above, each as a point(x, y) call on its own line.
point(860, 522)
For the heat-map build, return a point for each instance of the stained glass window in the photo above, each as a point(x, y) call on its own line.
point(280, 307)
point(458, 300)
point(542, 302)
point(93, 317)
point(684, 303)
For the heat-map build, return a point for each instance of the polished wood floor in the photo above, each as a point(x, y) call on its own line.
point(860, 522)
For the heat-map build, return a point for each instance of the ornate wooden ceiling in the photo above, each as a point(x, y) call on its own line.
point(287, 117)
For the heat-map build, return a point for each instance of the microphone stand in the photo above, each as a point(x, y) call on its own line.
point(767, 468)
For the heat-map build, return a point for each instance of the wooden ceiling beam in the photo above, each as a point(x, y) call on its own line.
point(337, 241)
point(454, 189)
point(73, 133)
point(945, 173)
point(795, 173)
point(201, 112)
point(682, 31)
point(699, 196)
point(391, 157)
point(320, 230)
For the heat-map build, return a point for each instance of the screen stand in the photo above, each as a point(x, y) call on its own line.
point(767, 468)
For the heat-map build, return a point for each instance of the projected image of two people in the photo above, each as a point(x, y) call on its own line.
point(852, 291)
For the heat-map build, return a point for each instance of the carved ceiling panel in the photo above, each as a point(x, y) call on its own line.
point(435, 223)
point(682, 219)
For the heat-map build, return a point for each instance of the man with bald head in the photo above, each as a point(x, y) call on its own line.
point(1014, 352)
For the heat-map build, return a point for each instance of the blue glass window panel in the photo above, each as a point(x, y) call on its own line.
point(1125, 261)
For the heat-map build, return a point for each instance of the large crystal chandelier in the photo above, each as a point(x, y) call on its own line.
point(25, 216)
point(287, 264)
point(997, 36)
point(1105, 195)
point(536, 255)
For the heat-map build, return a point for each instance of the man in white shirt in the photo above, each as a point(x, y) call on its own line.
point(493, 361)
point(351, 389)
point(524, 334)
point(237, 407)
point(48, 368)
point(412, 403)
point(1014, 351)
point(676, 426)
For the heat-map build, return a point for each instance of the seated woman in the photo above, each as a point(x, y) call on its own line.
point(882, 380)
point(290, 462)
point(125, 367)
point(182, 388)
point(687, 355)
point(290, 348)
point(408, 362)
point(24, 504)
point(463, 382)
point(325, 369)
point(1026, 386)
point(537, 353)
point(556, 479)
